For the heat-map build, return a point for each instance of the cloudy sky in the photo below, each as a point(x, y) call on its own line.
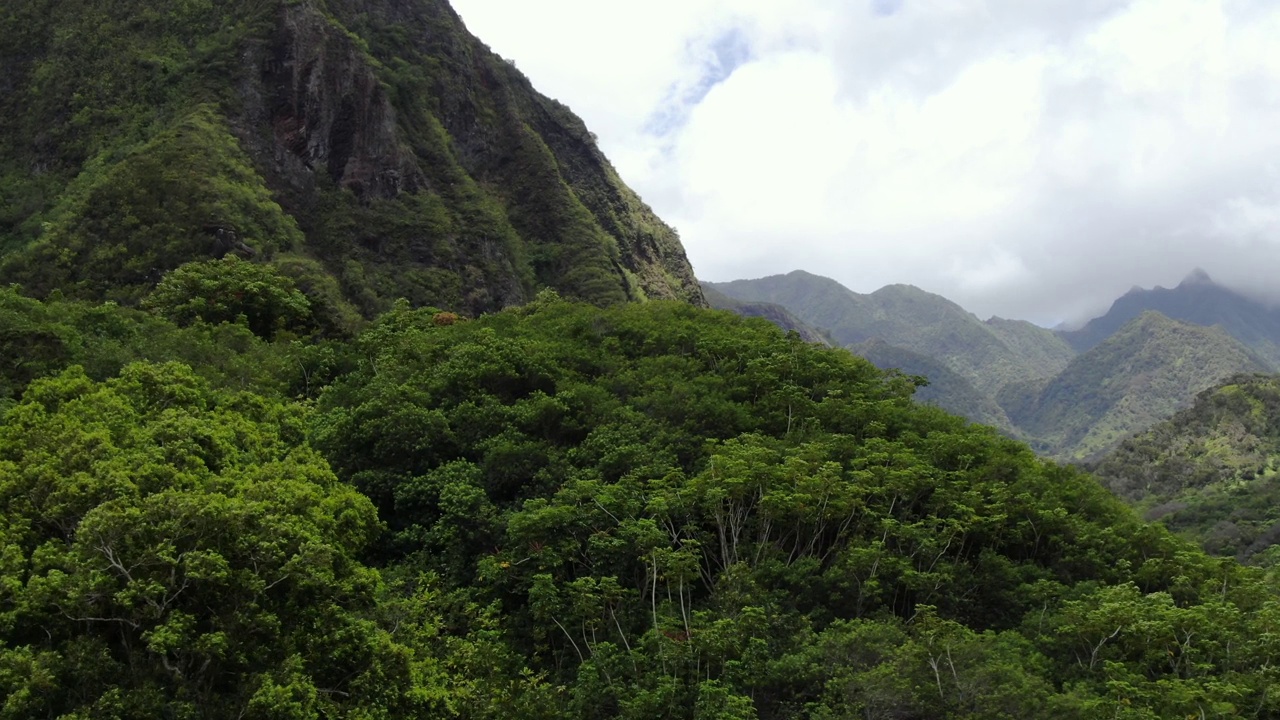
point(1026, 158)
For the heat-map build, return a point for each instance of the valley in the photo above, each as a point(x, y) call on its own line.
point(1072, 395)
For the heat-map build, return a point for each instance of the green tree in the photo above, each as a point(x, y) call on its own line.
point(174, 550)
point(232, 290)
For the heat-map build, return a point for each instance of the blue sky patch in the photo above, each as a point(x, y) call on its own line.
point(885, 8)
point(727, 52)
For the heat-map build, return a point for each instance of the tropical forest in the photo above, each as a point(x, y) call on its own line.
point(341, 376)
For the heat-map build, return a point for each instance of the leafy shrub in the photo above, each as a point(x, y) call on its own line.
point(229, 290)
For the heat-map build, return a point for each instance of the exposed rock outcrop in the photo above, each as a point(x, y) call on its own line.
point(414, 162)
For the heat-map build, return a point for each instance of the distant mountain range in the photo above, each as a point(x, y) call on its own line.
point(947, 388)
point(772, 312)
point(1072, 394)
point(989, 354)
point(1197, 300)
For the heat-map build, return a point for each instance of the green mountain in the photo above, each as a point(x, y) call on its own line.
point(1197, 300)
point(374, 145)
point(1212, 471)
point(945, 389)
point(1140, 375)
point(775, 314)
point(988, 355)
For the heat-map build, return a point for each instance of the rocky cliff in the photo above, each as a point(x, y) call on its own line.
point(376, 140)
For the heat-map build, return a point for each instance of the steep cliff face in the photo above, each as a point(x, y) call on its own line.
point(383, 139)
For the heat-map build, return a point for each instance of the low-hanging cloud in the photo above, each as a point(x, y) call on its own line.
point(1030, 160)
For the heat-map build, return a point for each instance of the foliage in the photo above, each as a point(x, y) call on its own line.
point(416, 164)
point(39, 339)
point(231, 289)
point(175, 551)
point(682, 514)
point(188, 194)
point(180, 553)
point(561, 510)
point(1210, 471)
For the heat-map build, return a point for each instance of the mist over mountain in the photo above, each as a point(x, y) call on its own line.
point(1198, 300)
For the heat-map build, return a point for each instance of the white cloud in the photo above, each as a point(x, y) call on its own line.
point(1029, 159)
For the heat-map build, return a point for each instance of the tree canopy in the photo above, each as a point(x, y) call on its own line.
point(561, 511)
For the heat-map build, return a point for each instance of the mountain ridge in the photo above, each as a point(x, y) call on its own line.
point(1197, 299)
point(913, 319)
point(1144, 372)
point(1074, 403)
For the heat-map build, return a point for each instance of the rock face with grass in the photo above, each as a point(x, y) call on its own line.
point(378, 139)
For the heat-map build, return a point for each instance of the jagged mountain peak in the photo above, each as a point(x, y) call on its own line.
point(1197, 277)
point(1197, 300)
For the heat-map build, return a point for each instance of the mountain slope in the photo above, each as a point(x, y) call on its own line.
point(1040, 347)
point(1197, 300)
point(1138, 376)
point(1212, 471)
point(988, 355)
point(775, 314)
point(946, 389)
point(380, 139)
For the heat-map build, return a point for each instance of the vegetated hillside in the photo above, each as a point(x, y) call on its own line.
point(820, 301)
point(945, 389)
point(775, 314)
point(1197, 300)
point(558, 511)
point(988, 355)
point(1212, 471)
point(374, 142)
point(1037, 346)
point(1142, 374)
